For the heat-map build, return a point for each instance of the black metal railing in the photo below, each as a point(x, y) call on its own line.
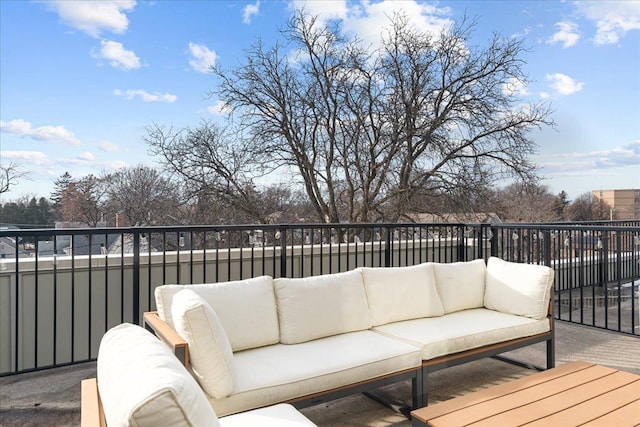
point(61, 289)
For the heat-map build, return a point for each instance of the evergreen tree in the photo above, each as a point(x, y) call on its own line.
point(560, 205)
point(60, 186)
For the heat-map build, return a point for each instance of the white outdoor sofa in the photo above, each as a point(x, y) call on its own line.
point(142, 384)
point(261, 341)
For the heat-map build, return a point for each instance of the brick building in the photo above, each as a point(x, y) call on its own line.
point(625, 204)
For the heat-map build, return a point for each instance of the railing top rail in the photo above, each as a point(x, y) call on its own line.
point(612, 226)
point(557, 227)
point(234, 227)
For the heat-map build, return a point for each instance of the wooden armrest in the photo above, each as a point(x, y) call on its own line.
point(168, 335)
point(91, 412)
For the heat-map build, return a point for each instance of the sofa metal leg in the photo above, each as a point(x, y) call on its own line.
point(417, 391)
point(551, 353)
point(398, 406)
point(425, 386)
point(518, 363)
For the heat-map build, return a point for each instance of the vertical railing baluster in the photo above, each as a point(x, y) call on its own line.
point(36, 294)
point(283, 252)
point(55, 300)
point(73, 299)
point(136, 276)
point(89, 298)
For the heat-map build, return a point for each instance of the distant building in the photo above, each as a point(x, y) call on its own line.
point(625, 204)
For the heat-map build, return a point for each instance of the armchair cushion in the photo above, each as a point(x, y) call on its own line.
point(521, 289)
point(141, 383)
point(281, 415)
point(209, 349)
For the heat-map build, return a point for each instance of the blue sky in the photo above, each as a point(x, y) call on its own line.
point(79, 81)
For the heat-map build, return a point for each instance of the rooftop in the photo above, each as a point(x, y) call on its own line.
point(52, 397)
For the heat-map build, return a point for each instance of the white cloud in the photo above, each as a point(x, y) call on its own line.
point(23, 128)
point(86, 157)
point(37, 158)
point(325, 10)
point(567, 34)
point(515, 87)
point(613, 19)
point(117, 164)
point(146, 96)
point(219, 108)
point(82, 159)
point(592, 162)
point(563, 84)
point(109, 147)
point(94, 17)
point(117, 55)
point(249, 11)
point(370, 19)
point(202, 58)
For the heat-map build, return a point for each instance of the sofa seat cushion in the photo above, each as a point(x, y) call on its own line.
point(320, 306)
point(281, 372)
point(516, 288)
point(462, 330)
point(141, 383)
point(209, 349)
point(246, 309)
point(401, 293)
point(461, 284)
point(282, 415)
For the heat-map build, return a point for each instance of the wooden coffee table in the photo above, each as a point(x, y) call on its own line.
point(578, 393)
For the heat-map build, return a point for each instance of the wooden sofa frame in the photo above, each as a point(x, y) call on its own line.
point(91, 411)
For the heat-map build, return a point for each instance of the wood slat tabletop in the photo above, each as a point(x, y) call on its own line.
point(578, 393)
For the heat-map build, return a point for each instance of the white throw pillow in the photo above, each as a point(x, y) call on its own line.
point(461, 284)
point(401, 293)
point(515, 288)
point(141, 383)
point(320, 306)
point(246, 309)
point(209, 349)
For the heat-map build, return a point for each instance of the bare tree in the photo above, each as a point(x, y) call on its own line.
point(588, 208)
point(213, 168)
point(367, 131)
point(83, 200)
point(520, 202)
point(9, 175)
point(141, 195)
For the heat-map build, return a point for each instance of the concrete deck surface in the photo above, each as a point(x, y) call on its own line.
point(52, 397)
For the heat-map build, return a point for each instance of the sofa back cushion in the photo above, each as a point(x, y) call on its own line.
point(461, 284)
point(141, 383)
point(401, 293)
point(246, 309)
point(320, 306)
point(516, 288)
point(209, 349)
